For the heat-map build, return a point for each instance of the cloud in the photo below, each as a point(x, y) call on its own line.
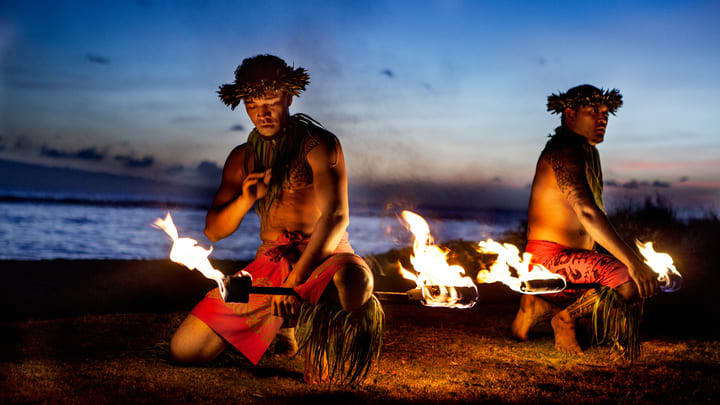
point(633, 184)
point(387, 72)
point(541, 60)
point(497, 179)
point(131, 161)
point(23, 142)
point(176, 169)
point(237, 127)
point(91, 154)
point(93, 58)
point(209, 169)
point(683, 179)
point(661, 165)
point(443, 196)
point(184, 119)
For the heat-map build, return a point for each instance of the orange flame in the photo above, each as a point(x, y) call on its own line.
point(432, 269)
point(186, 251)
point(662, 264)
point(509, 256)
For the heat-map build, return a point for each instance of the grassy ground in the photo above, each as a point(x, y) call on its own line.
point(430, 355)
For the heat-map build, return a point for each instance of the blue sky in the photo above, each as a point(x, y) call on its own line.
point(448, 92)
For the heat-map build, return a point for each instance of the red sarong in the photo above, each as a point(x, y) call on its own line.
point(251, 327)
point(577, 266)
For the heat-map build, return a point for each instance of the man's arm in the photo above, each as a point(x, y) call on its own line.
point(236, 195)
point(330, 183)
point(569, 168)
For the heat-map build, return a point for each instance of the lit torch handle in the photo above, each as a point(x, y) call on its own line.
point(413, 295)
point(671, 283)
point(239, 288)
point(528, 287)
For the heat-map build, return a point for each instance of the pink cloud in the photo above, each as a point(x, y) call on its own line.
point(657, 165)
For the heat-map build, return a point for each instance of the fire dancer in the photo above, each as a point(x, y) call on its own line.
point(293, 172)
point(566, 218)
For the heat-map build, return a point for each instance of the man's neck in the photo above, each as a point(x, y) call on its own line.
point(564, 130)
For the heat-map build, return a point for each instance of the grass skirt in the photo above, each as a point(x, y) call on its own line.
point(350, 341)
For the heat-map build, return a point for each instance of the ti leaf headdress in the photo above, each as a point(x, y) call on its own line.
point(584, 95)
point(260, 75)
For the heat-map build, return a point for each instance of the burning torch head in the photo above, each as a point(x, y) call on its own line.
point(442, 296)
point(670, 282)
point(237, 288)
point(661, 263)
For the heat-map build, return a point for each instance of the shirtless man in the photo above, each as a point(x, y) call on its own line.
point(293, 172)
point(566, 218)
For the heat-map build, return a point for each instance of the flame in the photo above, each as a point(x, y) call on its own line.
point(434, 276)
point(186, 251)
point(662, 264)
point(509, 256)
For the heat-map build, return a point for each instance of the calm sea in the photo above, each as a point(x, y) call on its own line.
point(74, 227)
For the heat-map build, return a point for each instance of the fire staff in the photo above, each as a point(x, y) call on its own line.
point(292, 171)
point(566, 218)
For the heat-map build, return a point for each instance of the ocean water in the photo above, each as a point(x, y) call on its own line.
point(39, 229)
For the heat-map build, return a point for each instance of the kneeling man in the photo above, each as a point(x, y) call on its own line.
point(566, 218)
point(293, 172)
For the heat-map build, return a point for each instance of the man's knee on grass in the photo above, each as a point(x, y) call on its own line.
point(628, 290)
point(195, 342)
point(354, 285)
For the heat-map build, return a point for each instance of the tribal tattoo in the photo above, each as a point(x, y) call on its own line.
point(584, 305)
point(570, 173)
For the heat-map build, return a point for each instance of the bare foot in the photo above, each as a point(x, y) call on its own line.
point(313, 376)
point(285, 344)
point(532, 310)
point(565, 339)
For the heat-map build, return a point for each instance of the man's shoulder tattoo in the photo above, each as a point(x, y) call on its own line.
point(328, 139)
point(568, 165)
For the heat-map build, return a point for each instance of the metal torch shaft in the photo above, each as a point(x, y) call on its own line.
point(409, 296)
point(273, 291)
point(414, 295)
point(581, 286)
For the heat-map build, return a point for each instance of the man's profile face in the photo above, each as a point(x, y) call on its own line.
point(269, 113)
point(589, 121)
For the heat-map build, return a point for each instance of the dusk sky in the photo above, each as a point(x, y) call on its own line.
point(446, 92)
